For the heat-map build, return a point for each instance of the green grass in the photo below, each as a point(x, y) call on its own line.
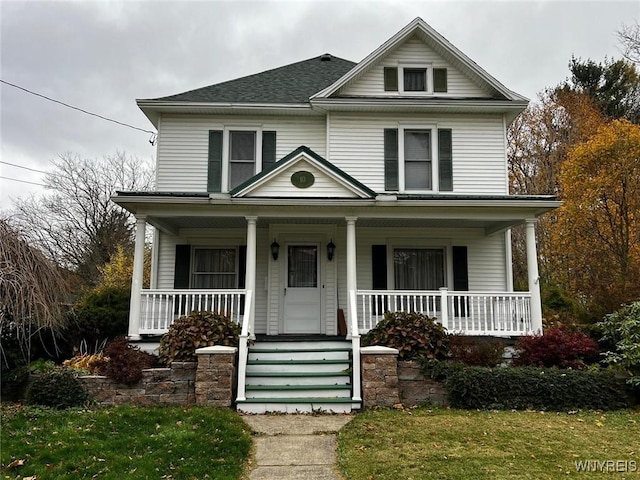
point(456, 444)
point(123, 442)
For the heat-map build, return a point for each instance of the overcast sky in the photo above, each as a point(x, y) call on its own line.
point(101, 56)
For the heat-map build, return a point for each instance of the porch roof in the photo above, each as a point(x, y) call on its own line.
point(172, 211)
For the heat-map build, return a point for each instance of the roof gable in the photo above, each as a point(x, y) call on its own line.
point(328, 181)
point(290, 84)
point(419, 29)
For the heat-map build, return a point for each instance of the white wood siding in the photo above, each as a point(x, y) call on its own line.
point(183, 144)
point(412, 51)
point(479, 157)
point(323, 186)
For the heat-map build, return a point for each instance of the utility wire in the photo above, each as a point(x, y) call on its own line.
point(23, 181)
point(26, 168)
point(76, 108)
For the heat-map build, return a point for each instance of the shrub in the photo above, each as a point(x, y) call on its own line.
point(622, 328)
point(57, 387)
point(197, 330)
point(413, 334)
point(532, 388)
point(124, 362)
point(481, 352)
point(558, 347)
point(14, 383)
point(100, 314)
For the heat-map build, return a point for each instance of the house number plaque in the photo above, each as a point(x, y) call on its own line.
point(302, 179)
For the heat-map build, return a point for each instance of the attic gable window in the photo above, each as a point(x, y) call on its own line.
point(415, 79)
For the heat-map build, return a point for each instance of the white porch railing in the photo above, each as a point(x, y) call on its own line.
point(159, 308)
point(467, 313)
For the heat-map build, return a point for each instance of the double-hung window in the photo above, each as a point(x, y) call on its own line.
point(215, 268)
point(418, 159)
point(236, 154)
point(242, 156)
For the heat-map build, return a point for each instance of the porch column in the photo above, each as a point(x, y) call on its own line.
point(533, 277)
point(136, 279)
point(250, 279)
point(351, 253)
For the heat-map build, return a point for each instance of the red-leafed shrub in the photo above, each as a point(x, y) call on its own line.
point(558, 347)
point(125, 362)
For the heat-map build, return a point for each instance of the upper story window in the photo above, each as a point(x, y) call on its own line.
point(237, 154)
point(242, 156)
point(415, 79)
point(418, 159)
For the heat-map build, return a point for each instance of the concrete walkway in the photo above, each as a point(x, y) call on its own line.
point(295, 447)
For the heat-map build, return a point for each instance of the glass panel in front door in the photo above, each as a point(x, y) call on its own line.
point(302, 266)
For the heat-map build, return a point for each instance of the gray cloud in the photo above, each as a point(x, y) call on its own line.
point(101, 56)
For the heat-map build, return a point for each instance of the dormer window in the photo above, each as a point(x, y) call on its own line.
point(414, 79)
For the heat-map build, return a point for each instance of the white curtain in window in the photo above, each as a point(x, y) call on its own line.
point(214, 268)
point(418, 268)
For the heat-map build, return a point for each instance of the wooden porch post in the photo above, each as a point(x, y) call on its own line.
point(250, 278)
point(351, 253)
point(533, 277)
point(136, 280)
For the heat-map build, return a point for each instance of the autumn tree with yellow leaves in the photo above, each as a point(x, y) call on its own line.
point(596, 237)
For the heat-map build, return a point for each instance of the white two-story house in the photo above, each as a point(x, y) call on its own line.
point(309, 199)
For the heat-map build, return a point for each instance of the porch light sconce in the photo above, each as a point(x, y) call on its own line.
point(275, 249)
point(331, 250)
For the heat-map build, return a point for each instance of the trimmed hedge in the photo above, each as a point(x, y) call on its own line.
point(521, 388)
point(57, 387)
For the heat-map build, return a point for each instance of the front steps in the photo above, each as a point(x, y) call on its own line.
point(298, 376)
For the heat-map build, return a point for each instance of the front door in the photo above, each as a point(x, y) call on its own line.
point(302, 299)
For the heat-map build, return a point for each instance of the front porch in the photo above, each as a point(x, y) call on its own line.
point(279, 267)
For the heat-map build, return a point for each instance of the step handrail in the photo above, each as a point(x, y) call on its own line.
point(243, 347)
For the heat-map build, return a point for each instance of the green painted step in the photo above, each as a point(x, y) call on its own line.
point(297, 362)
point(298, 374)
point(298, 387)
point(298, 400)
point(300, 350)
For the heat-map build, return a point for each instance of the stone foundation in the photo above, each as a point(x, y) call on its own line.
point(159, 386)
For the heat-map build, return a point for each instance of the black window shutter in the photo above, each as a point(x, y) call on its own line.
point(214, 177)
point(460, 271)
point(391, 159)
point(268, 149)
point(379, 267)
point(390, 79)
point(439, 79)
point(182, 266)
point(445, 160)
point(242, 266)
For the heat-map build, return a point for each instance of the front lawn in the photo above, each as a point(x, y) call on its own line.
point(123, 442)
point(458, 444)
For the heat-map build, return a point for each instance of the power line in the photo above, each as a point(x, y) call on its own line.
point(76, 108)
point(23, 181)
point(26, 168)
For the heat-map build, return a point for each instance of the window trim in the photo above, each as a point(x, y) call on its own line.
point(236, 267)
point(226, 151)
point(435, 178)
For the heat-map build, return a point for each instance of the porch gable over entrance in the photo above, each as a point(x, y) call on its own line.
point(303, 174)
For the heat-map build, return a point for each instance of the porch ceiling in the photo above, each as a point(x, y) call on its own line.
point(174, 224)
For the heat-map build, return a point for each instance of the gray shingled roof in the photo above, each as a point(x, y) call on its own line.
point(293, 83)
